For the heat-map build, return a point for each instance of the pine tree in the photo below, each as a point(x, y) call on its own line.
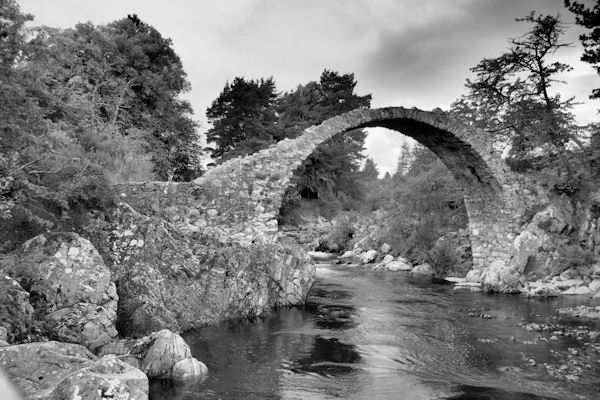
point(243, 118)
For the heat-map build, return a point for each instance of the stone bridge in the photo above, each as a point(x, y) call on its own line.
point(239, 201)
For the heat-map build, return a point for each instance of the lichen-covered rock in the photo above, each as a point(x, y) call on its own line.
point(15, 310)
point(168, 278)
point(161, 355)
point(70, 288)
point(58, 370)
point(500, 278)
point(159, 352)
point(107, 378)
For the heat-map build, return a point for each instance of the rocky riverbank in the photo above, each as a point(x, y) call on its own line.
point(98, 318)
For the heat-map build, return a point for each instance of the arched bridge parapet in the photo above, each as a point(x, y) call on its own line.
point(240, 199)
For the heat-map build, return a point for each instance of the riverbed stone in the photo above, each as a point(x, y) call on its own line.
point(385, 248)
point(387, 259)
point(540, 289)
point(70, 287)
point(398, 265)
point(594, 285)
point(581, 311)
point(564, 284)
point(321, 255)
point(368, 256)
point(499, 277)
point(473, 275)
point(160, 355)
point(580, 290)
point(189, 369)
point(348, 254)
point(423, 269)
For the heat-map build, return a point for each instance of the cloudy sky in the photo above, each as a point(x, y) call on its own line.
point(404, 52)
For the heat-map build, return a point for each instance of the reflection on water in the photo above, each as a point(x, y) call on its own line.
point(389, 335)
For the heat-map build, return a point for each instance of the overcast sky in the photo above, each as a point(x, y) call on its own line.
point(405, 53)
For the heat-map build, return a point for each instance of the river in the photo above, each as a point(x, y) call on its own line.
point(391, 335)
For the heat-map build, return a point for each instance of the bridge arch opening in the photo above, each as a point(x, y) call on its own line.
point(251, 189)
point(466, 153)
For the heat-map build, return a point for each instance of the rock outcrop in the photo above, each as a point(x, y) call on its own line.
point(167, 280)
point(71, 290)
point(57, 370)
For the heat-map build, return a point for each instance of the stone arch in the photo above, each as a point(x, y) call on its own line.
point(239, 200)
point(261, 179)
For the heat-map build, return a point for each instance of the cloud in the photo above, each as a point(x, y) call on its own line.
point(425, 59)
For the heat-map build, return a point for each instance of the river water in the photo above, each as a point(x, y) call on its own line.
point(391, 335)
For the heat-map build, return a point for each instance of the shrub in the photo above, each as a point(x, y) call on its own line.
point(340, 234)
point(442, 258)
point(573, 256)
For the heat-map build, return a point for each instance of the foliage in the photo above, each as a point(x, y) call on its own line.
point(331, 172)
point(573, 256)
point(106, 81)
point(510, 97)
point(590, 19)
point(422, 201)
point(340, 235)
point(442, 257)
point(243, 118)
point(80, 109)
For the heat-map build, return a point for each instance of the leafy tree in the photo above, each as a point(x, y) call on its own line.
point(590, 19)
point(116, 83)
point(425, 203)
point(46, 178)
point(79, 110)
point(510, 96)
point(331, 172)
point(157, 79)
point(243, 118)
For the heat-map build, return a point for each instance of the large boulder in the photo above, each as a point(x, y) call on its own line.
point(188, 369)
point(399, 264)
point(69, 371)
point(499, 277)
point(107, 378)
point(71, 291)
point(160, 355)
point(368, 256)
point(15, 310)
point(423, 269)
